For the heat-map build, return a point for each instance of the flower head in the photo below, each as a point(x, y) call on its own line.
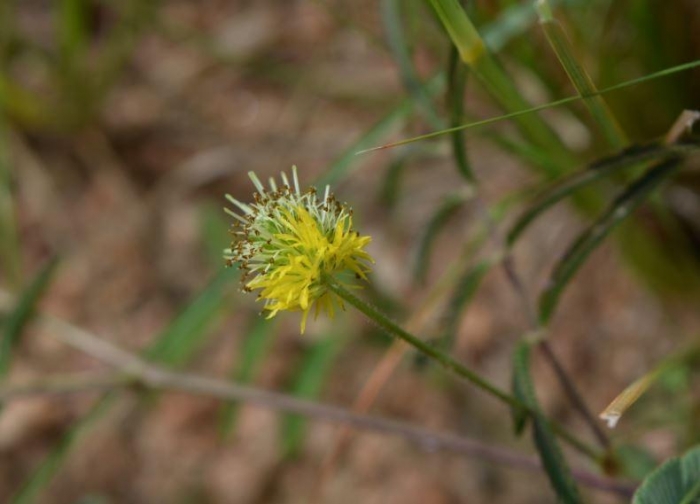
point(288, 240)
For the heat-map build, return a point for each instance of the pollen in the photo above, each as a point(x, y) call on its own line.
point(287, 241)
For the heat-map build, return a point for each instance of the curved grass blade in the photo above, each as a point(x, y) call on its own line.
point(440, 218)
point(635, 194)
point(465, 289)
point(391, 18)
point(677, 481)
point(308, 384)
point(557, 103)
point(628, 158)
point(550, 453)
point(456, 82)
point(22, 313)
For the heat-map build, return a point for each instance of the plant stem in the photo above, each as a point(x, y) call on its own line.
point(448, 362)
point(517, 284)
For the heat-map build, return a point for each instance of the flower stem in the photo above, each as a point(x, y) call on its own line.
point(448, 362)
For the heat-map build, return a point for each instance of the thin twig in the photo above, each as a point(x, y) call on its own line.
point(158, 379)
point(508, 266)
point(134, 371)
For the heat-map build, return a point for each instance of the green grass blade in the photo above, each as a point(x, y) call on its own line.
point(22, 313)
point(177, 342)
point(40, 479)
point(496, 82)
point(558, 103)
point(581, 80)
point(308, 384)
point(256, 346)
point(10, 248)
point(553, 460)
point(391, 18)
point(71, 22)
point(636, 194)
point(465, 289)
point(187, 332)
point(629, 158)
point(448, 207)
point(456, 82)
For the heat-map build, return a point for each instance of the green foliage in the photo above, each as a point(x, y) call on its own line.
point(550, 453)
point(677, 481)
point(22, 313)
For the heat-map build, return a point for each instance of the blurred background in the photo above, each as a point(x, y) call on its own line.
point(124, 123)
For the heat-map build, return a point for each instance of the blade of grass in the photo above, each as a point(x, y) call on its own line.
point(557, 103)
point(465, 289)
point(10, 248)
point(185, 334)
point(308, 384)
point(579, 77)
point(550, 453)
point(636, 194)
point(398, 45)
point(448, 207)
point(488, 70)
point(629, 158)
point(171, 347)
point(22, 313)
point(457, 81)
point(257, 343)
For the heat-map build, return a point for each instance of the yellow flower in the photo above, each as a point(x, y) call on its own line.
point(287, 241)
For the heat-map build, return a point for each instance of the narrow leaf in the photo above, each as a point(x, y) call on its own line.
point(257, 343)
point(437, 222)
point(579, 77)
point(550, 453)
point(636, 194)
point(22, 313)
point(457, 81)
point(593, 173)
point(530, 110)
point(391, 17)
point(187, 331)
point(308, 384)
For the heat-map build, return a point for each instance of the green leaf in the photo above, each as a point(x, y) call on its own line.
point(449, 206)
point(628, 158)
point(391, 17)
point(457, 81)
point(257, 342)
point(550, 453)
point(531, 110)
point(308, 384)
point(521, 386)
point(187, 332)
point(677, 481)
point(172, 347)
point(22, 313)
point(465, 289)
point(636, 194)
point(579, 77)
